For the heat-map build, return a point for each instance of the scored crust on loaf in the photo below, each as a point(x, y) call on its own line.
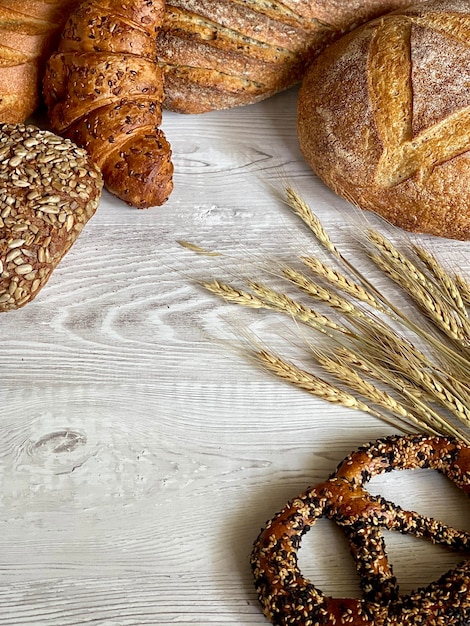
point(217, 54)
point(49, 189)
point(384, 118)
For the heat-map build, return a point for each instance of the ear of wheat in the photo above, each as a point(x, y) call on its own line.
point(371, 366)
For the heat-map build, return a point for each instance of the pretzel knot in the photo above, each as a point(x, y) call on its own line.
point(288, 598)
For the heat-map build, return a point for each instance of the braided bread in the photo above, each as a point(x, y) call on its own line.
point(288, 598)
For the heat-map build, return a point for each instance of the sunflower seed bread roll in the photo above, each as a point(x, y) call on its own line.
point(218, 54)
point(384, 118)
point(49, 189)
point(29, 31)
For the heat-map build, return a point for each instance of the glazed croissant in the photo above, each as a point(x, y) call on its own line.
point(29, 31)
point(104, 90)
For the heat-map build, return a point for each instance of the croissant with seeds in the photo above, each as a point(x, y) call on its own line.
point(104, 90)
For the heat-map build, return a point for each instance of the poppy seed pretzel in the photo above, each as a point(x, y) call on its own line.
point(288, 598)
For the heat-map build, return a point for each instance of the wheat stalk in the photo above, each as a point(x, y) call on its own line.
point(464, 288)
point(266, 298)
point(427, 389)
point(421, 416)
point(337, 366)
point(301, 208)
point(389, 353)
point(430, 302)
point(378, 372)
point(231, 294)
point(439, 298)
point(307, 381)
point(397, 260)
point(443, 279)
point(320, 293)
point(341, 282)
point(283, 303)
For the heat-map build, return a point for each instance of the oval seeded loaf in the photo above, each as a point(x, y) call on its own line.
point(384, 118)
point(49, 189)
point(218, 54)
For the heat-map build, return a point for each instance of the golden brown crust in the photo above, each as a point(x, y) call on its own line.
point(384, 118)
point(83, 82)
point(147, 172)
point(49, 189)
point(104, 89)
point(267, 44)
point(94, 31)
point(115, 124)
point(288, 598)
point(207, 90)
point(29, 31)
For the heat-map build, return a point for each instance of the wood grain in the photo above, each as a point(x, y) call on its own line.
point(140, 452)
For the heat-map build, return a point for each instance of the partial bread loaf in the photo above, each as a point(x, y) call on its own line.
point(29, 31)
point(218, 54)
point(384, 117)
point(49, 189)
point(104, 90)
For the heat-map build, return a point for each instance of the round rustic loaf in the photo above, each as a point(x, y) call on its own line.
point(384, 117)
point(218, 54)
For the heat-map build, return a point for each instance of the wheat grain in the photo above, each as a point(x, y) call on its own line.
point(302, 210)
point(461, 387)
point(320, 293)
point(281, 302)
point(446, 396)
point(198, 249)
point(381, 346)
point(417, 409)
point(435, 307)
point(340, 281)
point(360, 385)
point(266, 298)
point(436, 387)
point(309, 382)
point(440, 300)
point(376, 371)
point(397, 260)
point(233, 295)
point(463, 287)
point(443, 279)
point(381, 343)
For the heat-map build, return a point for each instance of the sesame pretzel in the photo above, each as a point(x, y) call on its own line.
point(288, 598)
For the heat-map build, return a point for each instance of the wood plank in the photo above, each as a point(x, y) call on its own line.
point(141, 450)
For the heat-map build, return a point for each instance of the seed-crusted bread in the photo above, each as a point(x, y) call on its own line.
point(218, 54)
point(103, 90)
point(49, 189)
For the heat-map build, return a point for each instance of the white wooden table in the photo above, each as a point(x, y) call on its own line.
point(140, 454)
